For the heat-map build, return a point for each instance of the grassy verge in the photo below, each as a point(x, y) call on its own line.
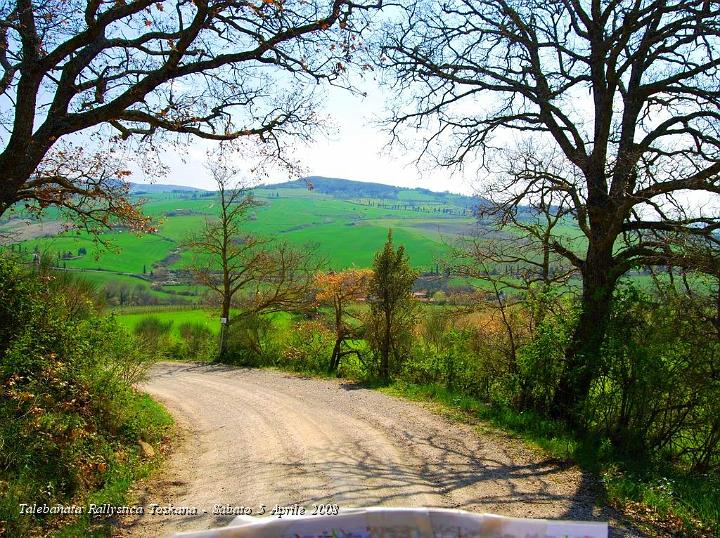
point(148, 421)
point(73, 430)
point(153, 424)
point(661, 501)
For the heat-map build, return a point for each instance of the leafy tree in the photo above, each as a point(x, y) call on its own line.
point(624, 93)
point(339, 290)
point(391, 305)
point(118, 292)
point(153, 71)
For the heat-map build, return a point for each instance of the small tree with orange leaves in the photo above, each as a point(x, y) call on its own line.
point(339, 290)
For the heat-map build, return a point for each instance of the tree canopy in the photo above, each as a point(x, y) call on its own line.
point(624, 95)
point(149, 71)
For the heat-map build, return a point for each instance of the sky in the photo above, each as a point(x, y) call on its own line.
point(354, 149)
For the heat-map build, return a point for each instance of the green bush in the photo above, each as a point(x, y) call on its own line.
point(445, 358)
point(659, 393)
point(540, 363)
point(307, 347)
point(250, 341)
point(68, 409)
point(154, 335)
point(198, 342)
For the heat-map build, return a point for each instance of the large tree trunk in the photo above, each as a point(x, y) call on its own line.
point(17, 164)
point(583, 356)
point(25, 150)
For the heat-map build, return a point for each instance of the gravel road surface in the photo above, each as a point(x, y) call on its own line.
point(261, 437)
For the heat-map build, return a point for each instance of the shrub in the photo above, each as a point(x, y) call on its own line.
point(67, 408)
point(154, 334)
point(307, 347)
point(540, 362)
point(250, 341)
point(198, 342)
point(660, 387)
point(434, 327)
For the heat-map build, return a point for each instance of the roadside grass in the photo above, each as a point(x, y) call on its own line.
point(146, 420)
point(152, 424)
point(73, 429)
point(661, 500)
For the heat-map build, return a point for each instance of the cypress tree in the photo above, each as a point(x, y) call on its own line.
point(391, 305)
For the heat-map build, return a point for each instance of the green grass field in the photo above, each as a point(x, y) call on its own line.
point(130, 317)
point(128, 253)
point(208, 318)
point(340, 232)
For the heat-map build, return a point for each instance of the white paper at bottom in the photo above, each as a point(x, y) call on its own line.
point(402, 523)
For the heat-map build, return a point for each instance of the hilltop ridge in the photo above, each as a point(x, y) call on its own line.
point(154, 188)
point(365, 189)
point(337, 187)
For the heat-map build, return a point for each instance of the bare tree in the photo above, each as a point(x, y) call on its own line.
point(523, 217)
point(147, 70)
point(254, 274)
point(627, 91)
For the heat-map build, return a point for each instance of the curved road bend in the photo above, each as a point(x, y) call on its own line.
point(261, 437)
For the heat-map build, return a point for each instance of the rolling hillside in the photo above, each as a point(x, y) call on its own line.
point(346, 189)
point(343, 222)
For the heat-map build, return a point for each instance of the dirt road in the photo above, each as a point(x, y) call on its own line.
point(259, 437)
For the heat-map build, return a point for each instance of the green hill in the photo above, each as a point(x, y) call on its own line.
point(146, 188)
point(347, 189)
point(343, 222)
